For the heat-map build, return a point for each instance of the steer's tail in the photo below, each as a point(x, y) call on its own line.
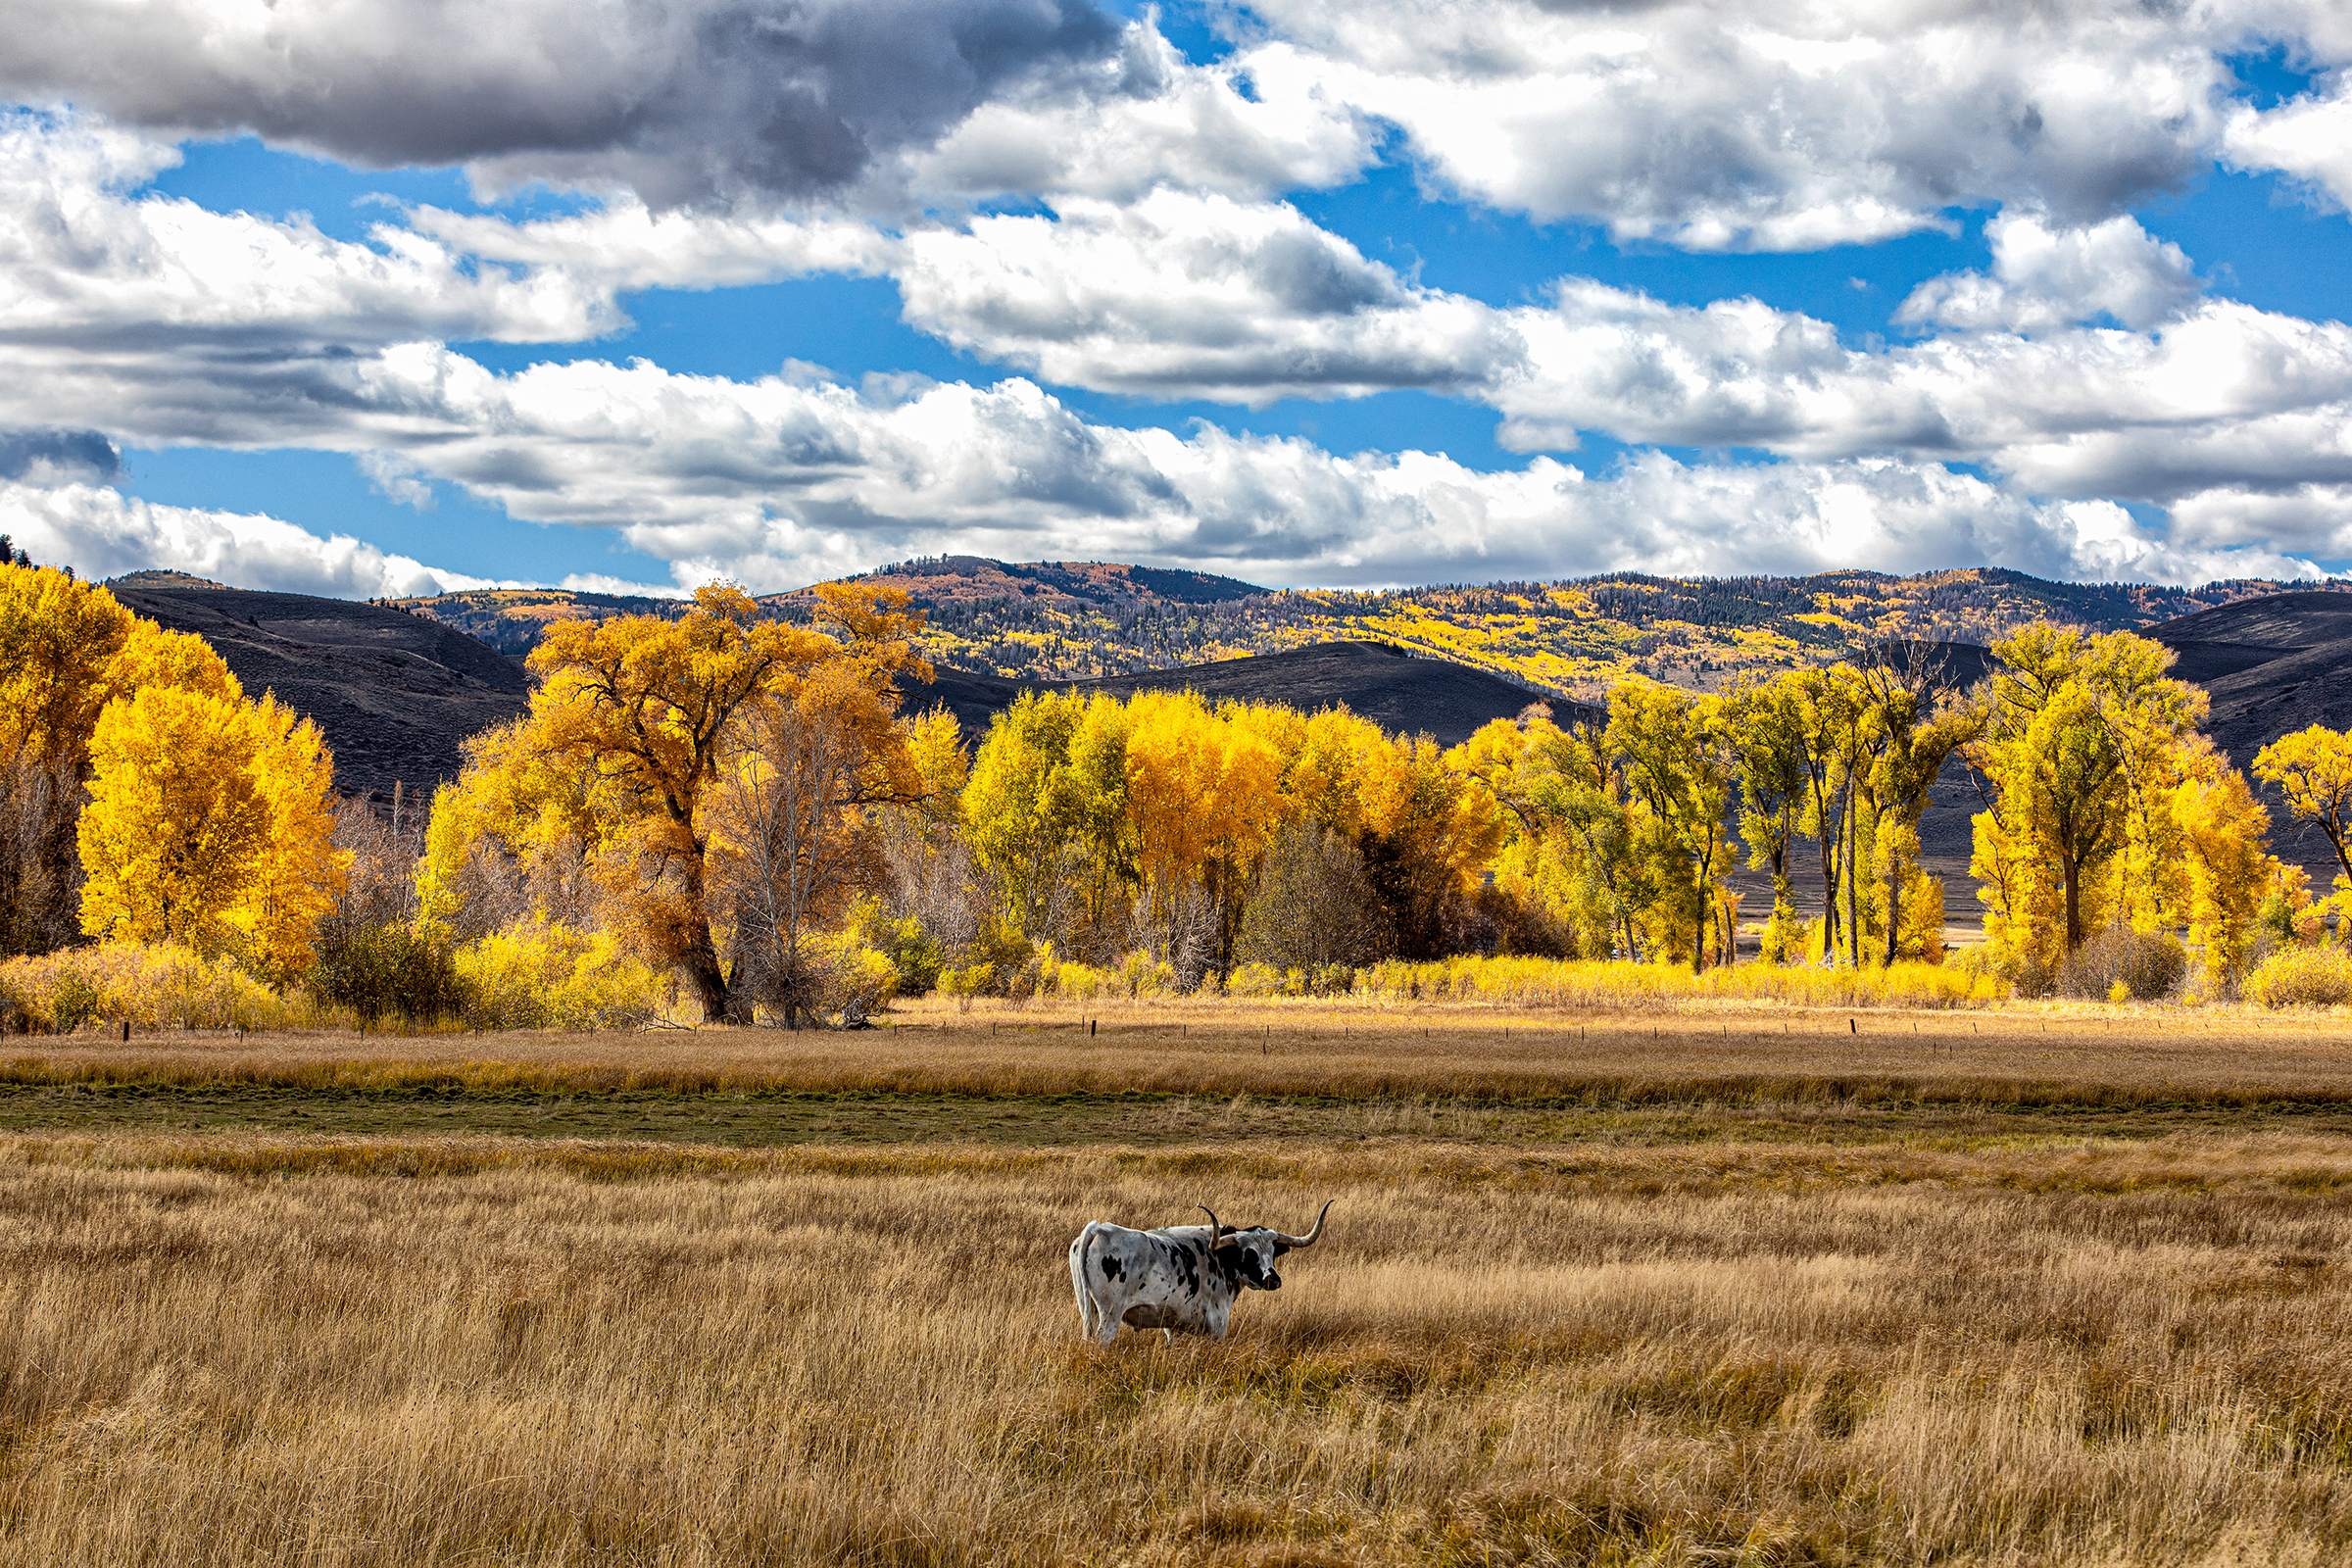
point(1089, 1314)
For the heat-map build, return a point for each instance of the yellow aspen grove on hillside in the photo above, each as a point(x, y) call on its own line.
point(2312, 770)
point(209, 824)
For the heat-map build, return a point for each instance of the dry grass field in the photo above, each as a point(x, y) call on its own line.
point(1821, 1297)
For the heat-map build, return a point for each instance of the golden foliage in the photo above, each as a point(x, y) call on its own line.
point(210, 825)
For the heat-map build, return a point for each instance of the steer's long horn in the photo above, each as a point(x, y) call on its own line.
point(1312, 1236)
point(1215, 1230)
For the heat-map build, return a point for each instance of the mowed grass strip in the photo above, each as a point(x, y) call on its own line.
point(2022, 1056)
point(517, 1352)
point(774, 1119)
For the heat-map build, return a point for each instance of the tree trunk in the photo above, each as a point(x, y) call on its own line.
point(1853, 878)
point(2074, 902)
point(1828, 900)
point(1894, 912)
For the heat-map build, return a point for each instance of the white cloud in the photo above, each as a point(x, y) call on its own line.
point(2045, 278)
point(689, 102)
point(1181, 295)
point(100, 533)
point(87, 267)
point(1710, 123)
point(2308, 138)
point(1716, 124)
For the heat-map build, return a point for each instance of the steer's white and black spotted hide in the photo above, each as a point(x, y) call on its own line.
point(1181, 1279)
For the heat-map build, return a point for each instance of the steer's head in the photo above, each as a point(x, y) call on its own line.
point(1247, 1256)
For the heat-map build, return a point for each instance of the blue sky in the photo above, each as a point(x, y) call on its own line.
point(1302, 293)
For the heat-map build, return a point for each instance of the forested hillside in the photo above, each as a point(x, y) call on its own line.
point(1064, 621)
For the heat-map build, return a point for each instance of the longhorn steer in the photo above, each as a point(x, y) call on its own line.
point(1179, 1279)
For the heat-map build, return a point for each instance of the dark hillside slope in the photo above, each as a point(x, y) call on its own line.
point(2273, 665)
point(1373, 680)
point(395, 694)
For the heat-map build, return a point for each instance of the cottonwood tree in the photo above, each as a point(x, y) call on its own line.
point(1830, 714)
point(1573, 842)
point(67, 650)
point(2078, 752)
point(648, 700)
point(792, 838)
point(209, 823)
point(1311, 905)
point(2312, 769)
point(2222, 828)
point(1204, 794)
point(1907, 755)
point(1023, 807)
point(1679, 766)
point(1766, 725)
point(635, 723)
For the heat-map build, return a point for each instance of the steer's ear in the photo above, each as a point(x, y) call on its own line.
point(1280, 1248)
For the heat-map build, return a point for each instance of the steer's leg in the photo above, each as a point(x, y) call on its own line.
point(1087, 1311)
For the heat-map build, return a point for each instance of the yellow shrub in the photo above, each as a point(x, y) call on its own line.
point(159, 987)
point(1143, 975)
point(852, 977)
point(1254, 980)
point(1579, 983)
point(2302, 977)
point(543, 976)
point(1072, 981)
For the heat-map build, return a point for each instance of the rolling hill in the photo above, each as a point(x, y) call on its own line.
point(1393, 689)
point(1059, 622)
point(396, 693)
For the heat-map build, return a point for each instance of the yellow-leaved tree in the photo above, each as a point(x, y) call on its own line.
point(1204, 798)
point(2221, 832)
point(67, 650)
point(210, 825)
point(608, 791)
point(795, 836)
point(1679, 767)
point(2080, 749)
point(2313, 771)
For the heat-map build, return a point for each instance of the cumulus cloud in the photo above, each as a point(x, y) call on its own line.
point(87, 267)
point(101, 532)
point(58, 456)
point(2044, 279)
point(1717, 124)
point(693, 101)
point(1708, 123)
point(1181, 295)
point(2308, 138)
point(1178, 294)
